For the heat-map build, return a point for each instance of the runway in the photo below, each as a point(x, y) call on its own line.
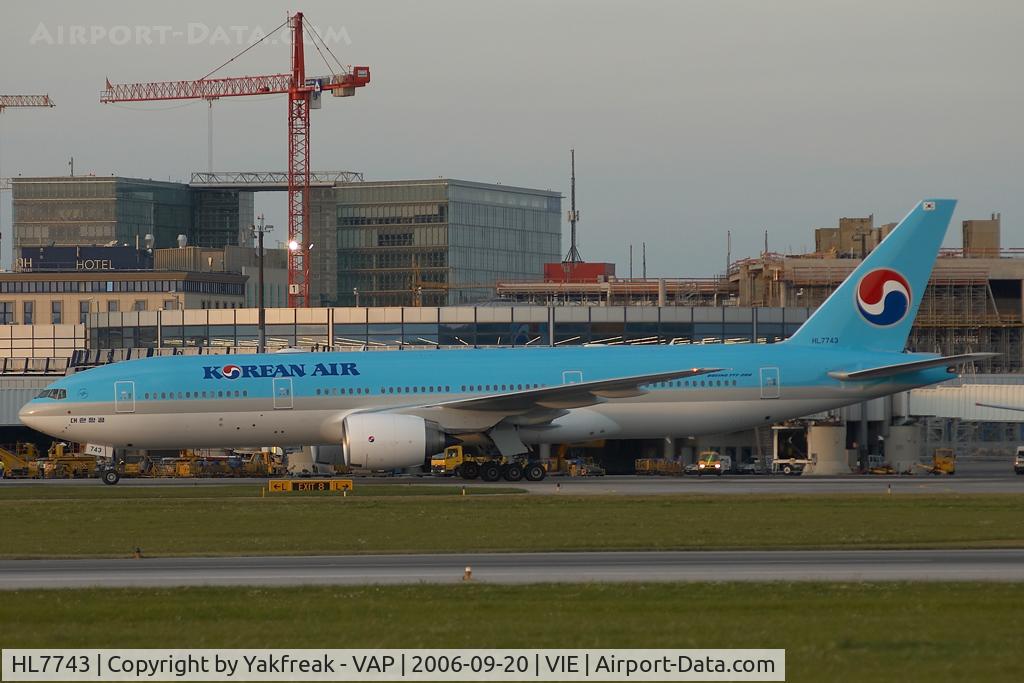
point(521, 568)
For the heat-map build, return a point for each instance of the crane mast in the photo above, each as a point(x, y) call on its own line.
point(298, 173)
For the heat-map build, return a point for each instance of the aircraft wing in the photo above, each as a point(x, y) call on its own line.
point(911, 366)
point(569, 395)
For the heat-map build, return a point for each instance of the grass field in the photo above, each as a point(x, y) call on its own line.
point(70, 521)
point(831, 632)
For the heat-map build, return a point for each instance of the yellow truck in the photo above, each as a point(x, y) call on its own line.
point(447, 464)
point(455, 461)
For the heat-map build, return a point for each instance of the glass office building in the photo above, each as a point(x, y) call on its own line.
point(92, 210)
point(437, 242)
point(222, 218)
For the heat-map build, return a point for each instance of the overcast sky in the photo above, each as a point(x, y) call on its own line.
point(689, 118)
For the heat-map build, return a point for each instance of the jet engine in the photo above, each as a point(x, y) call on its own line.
point(382, 441)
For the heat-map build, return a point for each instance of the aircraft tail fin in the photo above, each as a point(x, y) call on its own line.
point(875, 306)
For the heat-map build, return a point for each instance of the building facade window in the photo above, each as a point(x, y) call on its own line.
point(6, 312)
point(28, 313)
point(57, 312)
point(83, 310)
point(139, 305)
point(113, 306)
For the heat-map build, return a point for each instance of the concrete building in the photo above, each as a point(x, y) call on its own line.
point(69, 298)
point(854, 238)
point(981, 237)
point(233, 259)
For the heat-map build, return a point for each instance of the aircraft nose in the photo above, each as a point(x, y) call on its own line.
point(29, 415)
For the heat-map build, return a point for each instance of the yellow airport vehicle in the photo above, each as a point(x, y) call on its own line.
point(23, 462)
point(943, 462)
point(584, 467)
point(647, 465)
point(61, 463)
point(447, 464)
point(659, 466)
point(488, 467)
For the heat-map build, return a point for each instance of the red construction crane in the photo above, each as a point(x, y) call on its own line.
point(303, 93)
point(25, 101)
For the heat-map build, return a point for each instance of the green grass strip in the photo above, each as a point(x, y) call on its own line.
point(930, 632)
point(234, 520)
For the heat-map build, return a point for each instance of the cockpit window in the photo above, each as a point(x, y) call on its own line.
point(55, 394)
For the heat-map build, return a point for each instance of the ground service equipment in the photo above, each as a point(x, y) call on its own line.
point(943, 462)
point(711, 462)
point(491, 467)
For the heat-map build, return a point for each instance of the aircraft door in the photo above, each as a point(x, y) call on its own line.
point(124, 397)
point(282, 393)
point(770, 383)
point(572, 377)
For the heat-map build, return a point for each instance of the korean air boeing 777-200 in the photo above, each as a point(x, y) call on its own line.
point(394, 409)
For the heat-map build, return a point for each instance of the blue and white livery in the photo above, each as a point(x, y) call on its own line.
point(394, 409)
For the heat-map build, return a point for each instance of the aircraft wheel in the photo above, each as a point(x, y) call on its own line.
point(535, 472)
point(787, 470)
point(469, 470)
point(513, 472)
point(490, 472)
point(111, 477)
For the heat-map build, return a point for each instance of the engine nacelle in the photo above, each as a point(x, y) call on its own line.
point(386, 441)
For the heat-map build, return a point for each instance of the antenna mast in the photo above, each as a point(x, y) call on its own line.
point(574, 216)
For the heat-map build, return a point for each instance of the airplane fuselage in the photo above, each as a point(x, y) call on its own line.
point(298, 399)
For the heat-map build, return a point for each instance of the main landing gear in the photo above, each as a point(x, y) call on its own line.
point(493, 470)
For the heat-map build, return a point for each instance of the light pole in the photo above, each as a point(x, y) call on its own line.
point(260, 229)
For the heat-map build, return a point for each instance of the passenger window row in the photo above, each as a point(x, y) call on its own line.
point(335, 391)
point(501, 387)
point(684, 384)
point(170, 395)
point(416, 390)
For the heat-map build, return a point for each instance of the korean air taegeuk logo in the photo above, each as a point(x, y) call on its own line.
point(883, 297)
